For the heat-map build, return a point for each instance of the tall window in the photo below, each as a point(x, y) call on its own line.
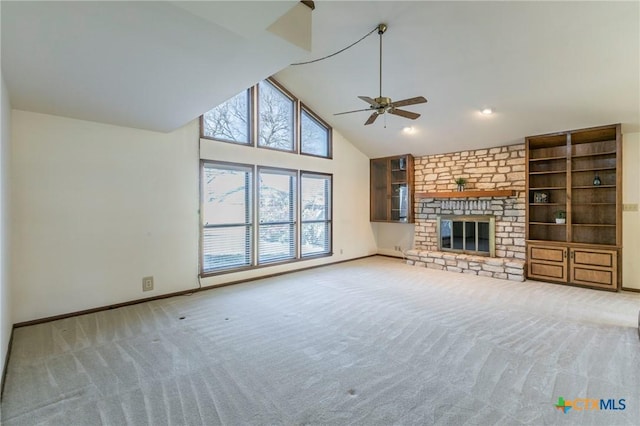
point(281, 122)
point(275, 118)
point(293, 211)
point(314, 135)
point(229, 121)
point(227, 224)
point(277, 215)
point(315, 214)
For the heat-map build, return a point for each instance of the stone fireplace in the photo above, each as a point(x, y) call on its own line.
point(486, 171)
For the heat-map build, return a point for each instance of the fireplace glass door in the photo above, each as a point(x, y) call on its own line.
point(467, 234)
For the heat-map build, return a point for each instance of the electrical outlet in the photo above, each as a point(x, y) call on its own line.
point(398, 248)
point(340, 251)
point(630, 207)
point(147, 284)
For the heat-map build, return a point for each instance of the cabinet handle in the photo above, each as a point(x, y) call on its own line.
point(565, 253)
point(571, 254)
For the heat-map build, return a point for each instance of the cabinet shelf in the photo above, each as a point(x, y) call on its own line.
point(546, 204)
point(593, 186)
point(594, 154)
point(548, 188)
point(551, 172)
point(559, 157)
point(593, 169)
point(548, 223)
point(594, 204)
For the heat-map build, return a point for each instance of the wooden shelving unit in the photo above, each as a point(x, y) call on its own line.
point(391, 185)
point(578, 172)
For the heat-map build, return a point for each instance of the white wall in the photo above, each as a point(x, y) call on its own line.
point(352, 235)
point(97, 207)
point(631, 219)
point(390, 235)
point(5, 293)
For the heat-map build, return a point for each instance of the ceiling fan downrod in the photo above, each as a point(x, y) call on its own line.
point(381, 30)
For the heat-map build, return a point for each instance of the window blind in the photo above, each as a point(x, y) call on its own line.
point(226, 216)
point(315, 220)
point(277, 207)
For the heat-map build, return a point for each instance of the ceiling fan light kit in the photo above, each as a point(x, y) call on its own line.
point(383, 104)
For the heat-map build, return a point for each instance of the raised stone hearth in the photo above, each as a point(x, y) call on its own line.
point(495, 267)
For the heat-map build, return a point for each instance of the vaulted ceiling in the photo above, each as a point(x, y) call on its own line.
point(542, 66)
point(146, 64)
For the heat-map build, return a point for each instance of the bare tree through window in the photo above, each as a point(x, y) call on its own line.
point(230, 120)
point(314, 137)
point(275, 121)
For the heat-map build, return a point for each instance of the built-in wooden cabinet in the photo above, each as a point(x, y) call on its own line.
point(392, 189)
point(577, 172)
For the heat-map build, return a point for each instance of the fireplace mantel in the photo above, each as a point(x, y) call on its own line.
point(466, 194)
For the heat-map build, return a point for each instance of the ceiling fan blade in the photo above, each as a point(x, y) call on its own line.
point(403, 113)
point(371, 118)
point(370, 101)
point(410, 101)
point(355, 110)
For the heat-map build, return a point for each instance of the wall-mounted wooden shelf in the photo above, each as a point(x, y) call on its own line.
point(467, 194)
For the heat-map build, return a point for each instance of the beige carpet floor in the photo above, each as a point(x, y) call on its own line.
point(367, 342)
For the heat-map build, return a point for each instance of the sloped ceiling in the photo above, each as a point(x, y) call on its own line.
point(542, 66)
point(150, 65)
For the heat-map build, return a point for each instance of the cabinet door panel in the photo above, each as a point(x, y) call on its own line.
point(592, 276)
point(543, 270)
point(553, 254)
point(594, 267)
point(599, 258)
point(547, 263)
point(379, 190)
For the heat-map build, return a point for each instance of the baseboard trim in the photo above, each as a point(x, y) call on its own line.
point(5, 367)
point(174, 294)
point(101, 308)
point(635, 290)
point(277, 274)
point(388, 255)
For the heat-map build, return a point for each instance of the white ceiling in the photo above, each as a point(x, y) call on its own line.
point(543, 66)
point(150, 65)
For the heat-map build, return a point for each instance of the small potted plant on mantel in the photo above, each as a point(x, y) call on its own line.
point(461, 182)
point(561, 216)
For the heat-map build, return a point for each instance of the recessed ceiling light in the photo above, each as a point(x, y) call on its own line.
point(408, 129)
point(486, 111)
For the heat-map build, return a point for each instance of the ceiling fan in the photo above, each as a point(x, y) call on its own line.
point(382, 104)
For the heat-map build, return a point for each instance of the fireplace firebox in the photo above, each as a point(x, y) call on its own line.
point(474, 234)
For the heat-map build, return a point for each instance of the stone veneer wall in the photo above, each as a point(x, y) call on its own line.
point(484, 169)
